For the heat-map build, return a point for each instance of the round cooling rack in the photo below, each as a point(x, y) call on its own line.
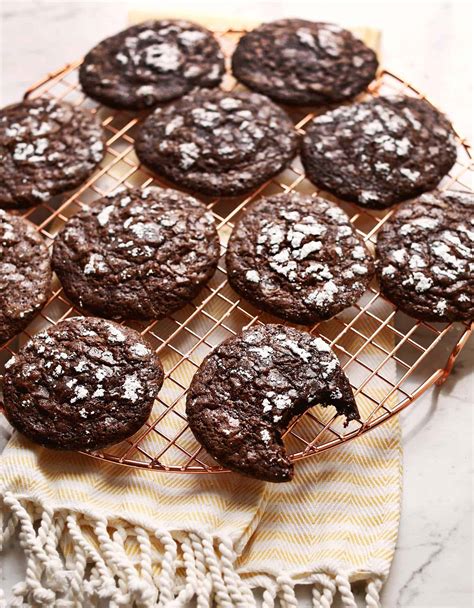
point(390, 358)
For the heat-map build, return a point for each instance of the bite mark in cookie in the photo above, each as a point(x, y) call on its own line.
point(251, 386)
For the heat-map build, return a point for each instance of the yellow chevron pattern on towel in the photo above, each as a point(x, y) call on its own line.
point(163, 539)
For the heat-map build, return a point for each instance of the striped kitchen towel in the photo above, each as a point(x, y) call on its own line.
point(92, 531)
point(336, 525)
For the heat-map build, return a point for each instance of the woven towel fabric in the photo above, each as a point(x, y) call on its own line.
point(92, 531)
point(336, 525)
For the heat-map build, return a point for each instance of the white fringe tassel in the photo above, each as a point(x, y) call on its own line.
point(69, 568)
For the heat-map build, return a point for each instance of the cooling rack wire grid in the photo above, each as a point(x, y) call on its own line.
point(390, 358)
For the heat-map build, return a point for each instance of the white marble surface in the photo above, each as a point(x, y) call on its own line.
point(430, 43)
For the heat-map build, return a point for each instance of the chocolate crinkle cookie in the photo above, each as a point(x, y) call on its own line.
point(25, 274)
point(137, 254)
point(379, 152)
point(302, 62)
point(426, 257)
point(46, 148)
point(218, 143)
point(251, 386)
point(298, 257)
point(150, 63)
point(83, 384)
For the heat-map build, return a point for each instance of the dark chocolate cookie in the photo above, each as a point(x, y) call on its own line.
point(298, 257)
point(379, 152)
point(218, 143)
point(138, 254)
point(46, 147)
point(150, 63)
point(426, 257)
point(251, 386)
point(303, 62)
point(82, 384)
point(25, 274)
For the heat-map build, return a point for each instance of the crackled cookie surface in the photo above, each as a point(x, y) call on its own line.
point(150, 63)
point(82, 384)
point(46, 147)
point(303, 62)
point(25, 274)
point(138, 254)
point(426, 257)
point(251, 386)
point(379, 152)
point(218, 143)
point(298, 257)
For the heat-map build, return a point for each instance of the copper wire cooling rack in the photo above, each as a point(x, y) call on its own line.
point(389, 358)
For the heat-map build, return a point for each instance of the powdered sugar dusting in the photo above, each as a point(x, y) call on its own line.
point(189, 154)
point(294, 253)
point(140, 350)
point(381, 150)
point(132, 388)
point(115, 335)
point(252, 276)
point(104, 216)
